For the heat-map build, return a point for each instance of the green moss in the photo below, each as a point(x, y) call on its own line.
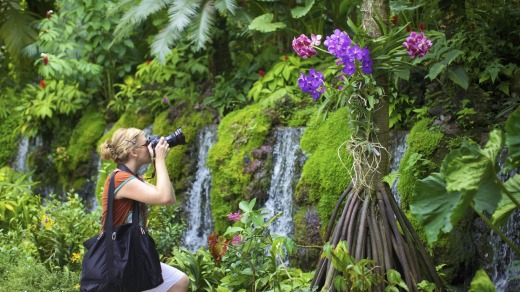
point(74, 162)
point(9, 138)
point(325, 176)
point(422, 142)
point(190, 121)
point(238, 134)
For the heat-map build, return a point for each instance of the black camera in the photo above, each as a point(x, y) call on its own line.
point(174, 139)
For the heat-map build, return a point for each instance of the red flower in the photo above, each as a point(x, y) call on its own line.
point(148, 62)
point(48, 14)
point(408, 28)
point(395, 19)
point(285, 58)
point(261, 73)
point(421, 26)
point(45, 58)
point(42, 83)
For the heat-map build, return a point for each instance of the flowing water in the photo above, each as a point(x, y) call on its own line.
point(398, 148)
point(288, 160)
point(20, 163)
point(198, 209)
point(503, 255)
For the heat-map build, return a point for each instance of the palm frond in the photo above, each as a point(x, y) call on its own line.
point(136, 15)
point(224, 6)
point(181, 12)
point(200, 28)
point(121, 6)
point(163, 41)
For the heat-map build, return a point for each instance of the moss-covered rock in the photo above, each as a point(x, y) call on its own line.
point(426, 148)
point(75, 162)
point(417, 162)
point(326, 172)
point(238, 134)
point(190, 121)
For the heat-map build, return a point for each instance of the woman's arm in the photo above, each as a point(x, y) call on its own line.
point(160, 194)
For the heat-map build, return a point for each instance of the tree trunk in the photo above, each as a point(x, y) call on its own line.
point(372, 224)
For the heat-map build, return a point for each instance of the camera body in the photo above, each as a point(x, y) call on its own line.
point(174, 139)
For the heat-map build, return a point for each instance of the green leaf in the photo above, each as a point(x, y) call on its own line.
point(513, 137)
point(263, 23)
point(506, 206)
point(434, 207)
point(300, 11)
point(403, 74)
point(481, 283)
point(451, 55)
point(459, 76)
point(470, 171)
point(435, 70)
point(233, 230)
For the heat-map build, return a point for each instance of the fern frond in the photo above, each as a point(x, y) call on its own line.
point(181, 13)
point(136, 15)
point(200, 28)
point(224, 6)
point(163, 41)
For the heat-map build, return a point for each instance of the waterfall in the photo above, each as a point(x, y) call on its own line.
point(398, 148)
point(288, 160)
point(503, 256)
point(20, 164)
point(198, 210)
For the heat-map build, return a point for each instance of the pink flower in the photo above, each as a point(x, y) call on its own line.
point(165, 100)
point(236, 240)
point(234, 216)
point(303, 45)
point(315, 40)
point(417, 44)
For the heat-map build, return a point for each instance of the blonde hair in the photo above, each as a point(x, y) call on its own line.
point(119, 146)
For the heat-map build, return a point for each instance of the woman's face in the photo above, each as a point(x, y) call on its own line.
point(143, 151)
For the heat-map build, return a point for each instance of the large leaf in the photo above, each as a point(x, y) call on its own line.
point(263, 23)
point(459, 76)
point(470, 171)
point(506, 206)
point(434, 207)
point(513, 137)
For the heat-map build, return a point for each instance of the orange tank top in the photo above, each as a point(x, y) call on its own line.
point(122, 207)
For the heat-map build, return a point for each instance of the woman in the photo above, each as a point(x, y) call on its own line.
point(128, 148)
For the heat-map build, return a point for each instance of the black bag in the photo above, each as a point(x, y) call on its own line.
point(121, 258)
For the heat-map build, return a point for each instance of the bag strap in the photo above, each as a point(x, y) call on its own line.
point(111, 234)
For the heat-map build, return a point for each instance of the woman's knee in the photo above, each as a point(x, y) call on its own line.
point(181, 285)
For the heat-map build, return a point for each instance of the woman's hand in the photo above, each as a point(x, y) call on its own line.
point(161, 149)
